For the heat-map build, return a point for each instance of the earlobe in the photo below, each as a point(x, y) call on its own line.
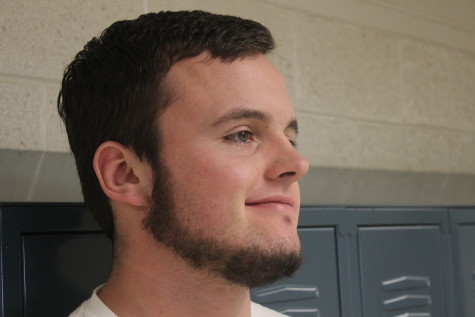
point(118, 171)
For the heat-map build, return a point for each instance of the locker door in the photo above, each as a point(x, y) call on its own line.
point(66, 265)
point(49, 252)
point(313, 291)
point(402, 270)
point(463, 221)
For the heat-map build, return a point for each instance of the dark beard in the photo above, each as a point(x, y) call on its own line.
point(248, 266)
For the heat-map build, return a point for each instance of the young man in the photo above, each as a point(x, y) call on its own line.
point(184, 139)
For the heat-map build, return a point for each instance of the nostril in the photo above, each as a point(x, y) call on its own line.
point(287, 174)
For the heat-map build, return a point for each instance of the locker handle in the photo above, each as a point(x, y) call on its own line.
point(286, 292)
point(406, 282)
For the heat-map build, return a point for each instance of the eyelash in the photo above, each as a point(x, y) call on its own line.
point(250, 137)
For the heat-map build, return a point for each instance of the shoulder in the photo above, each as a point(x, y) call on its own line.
point(93, 307)
point(261, 311)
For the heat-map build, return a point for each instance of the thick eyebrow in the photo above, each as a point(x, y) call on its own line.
point(239, 114)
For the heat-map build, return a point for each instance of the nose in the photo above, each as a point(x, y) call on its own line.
point(287, 165)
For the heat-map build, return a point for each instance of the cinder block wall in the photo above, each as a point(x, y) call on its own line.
point(366, 98)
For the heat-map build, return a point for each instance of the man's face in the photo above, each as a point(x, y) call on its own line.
point(227, 198)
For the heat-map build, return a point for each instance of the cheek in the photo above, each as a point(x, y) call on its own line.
point(212, 181)
point(219, 172)
point(213, 191)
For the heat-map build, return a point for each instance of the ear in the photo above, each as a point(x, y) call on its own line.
point(122, 175)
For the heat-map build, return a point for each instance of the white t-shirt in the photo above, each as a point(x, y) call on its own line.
point(94, 307)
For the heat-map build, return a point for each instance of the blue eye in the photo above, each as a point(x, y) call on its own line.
point(244, 136)
point(241, 137)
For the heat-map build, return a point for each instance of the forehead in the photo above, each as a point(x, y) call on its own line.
point(203, 88)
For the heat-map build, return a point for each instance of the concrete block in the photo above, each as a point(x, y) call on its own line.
point(347, 70)
point(22, 124)
point(462, 152)
point(326, 141)
point(39, 38)
point(462, 94)
point(438, 86)
point(338, 142)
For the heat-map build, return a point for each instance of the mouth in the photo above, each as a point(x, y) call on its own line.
point(273, 202)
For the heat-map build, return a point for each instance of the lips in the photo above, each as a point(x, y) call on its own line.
point(272, 201)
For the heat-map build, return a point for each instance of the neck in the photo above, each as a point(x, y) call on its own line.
point(151, 280)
